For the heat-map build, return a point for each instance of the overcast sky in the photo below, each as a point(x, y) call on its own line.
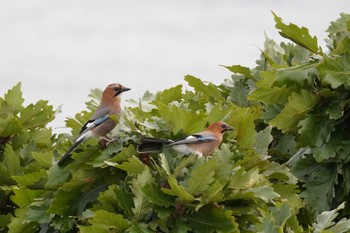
point(59, 50)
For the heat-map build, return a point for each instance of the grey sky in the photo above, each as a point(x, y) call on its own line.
point(62, 49)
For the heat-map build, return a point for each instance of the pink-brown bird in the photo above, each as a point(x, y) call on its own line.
point(100, 122)
point(201, 144)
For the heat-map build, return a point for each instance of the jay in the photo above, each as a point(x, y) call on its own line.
point(201, 144)
point(100, 122)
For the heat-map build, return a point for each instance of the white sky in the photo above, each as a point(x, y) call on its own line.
point(62, 49)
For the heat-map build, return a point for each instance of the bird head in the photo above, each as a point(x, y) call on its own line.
point(221, 127)
point(116, 89)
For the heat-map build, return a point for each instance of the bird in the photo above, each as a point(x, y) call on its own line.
point(202, 143)
point(101, 121)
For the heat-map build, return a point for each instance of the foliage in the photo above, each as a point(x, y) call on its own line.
point(305, 94)
point(290, 116)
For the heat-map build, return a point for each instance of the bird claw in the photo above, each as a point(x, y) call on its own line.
point(105, 141)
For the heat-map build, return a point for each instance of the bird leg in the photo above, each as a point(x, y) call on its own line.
point(105, 141)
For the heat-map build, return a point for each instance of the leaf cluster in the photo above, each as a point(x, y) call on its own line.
point(283, 168)
point(116, 189)
point(305, 97)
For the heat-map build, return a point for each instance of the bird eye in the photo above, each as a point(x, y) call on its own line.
point(117, 91)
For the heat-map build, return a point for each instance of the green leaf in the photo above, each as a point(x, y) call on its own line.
point(295, 110)
point(280, 172)
point(325, 221)
point(278, 219)
point(152, 191)
point(82, 157)
point(335, 71)
point(181, 227)
point(302, 75)
point(315, 130)
point(141, 205)
point(132, 166)
point(319, 187)
point(169, 95)
point(78, 121)
point(42, 137)
point(271, 95)
point(10, 126)
point(163, 215)
point(239, 93)
point(11, 160)
point(4, 220)
point(30, 178)
point(20, 224)
point(272, 55)
point(264, 193)
point(209, 90)
point(181, 120)
point(14, 97)
point(178, 191)
point(23, 197)
point(224, 156)
point(214, 193)
point(244, 126)
point(219, 112)
point(286, 145)
point(139, 228)
point(298, 35)
point(79, 179)
point(56, 176)
point(96, 228)
point(106, 221)
point(339, 25)
point(267, 93)
point(339, 35)
point(164, 164)
point(238, 69)
point(35, 115)
point(341, 226)
point(212, 219)
point(201, 177)
point(335, 111)
point(282, 214)
point(44, 159)
point(267, 78)
point(242, 179)
point(124, 199)
point(107, 198)
point(85, 198)
point(76, 200)
point(63, 197)
point(263, 140)
point(336, 146)
point(290, 193)
point(64, 223)
point(38, 211)
point(124, 154)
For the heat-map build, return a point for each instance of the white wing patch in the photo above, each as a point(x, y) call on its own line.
point(193, 139)
point(86, 134)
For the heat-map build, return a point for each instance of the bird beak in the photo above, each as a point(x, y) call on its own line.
point(229, 128)
point(126, 89)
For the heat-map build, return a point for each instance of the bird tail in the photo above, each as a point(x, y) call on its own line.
point(69, 151)
point(149, 145)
